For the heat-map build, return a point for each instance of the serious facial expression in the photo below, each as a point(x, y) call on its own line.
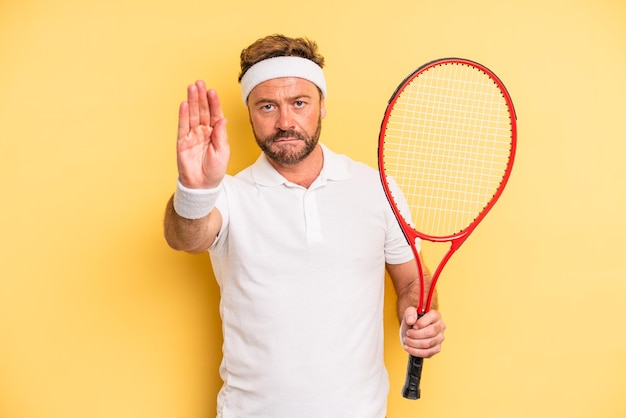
point(286, 115)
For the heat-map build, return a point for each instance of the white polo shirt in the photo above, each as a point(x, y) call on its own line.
point(301, 273)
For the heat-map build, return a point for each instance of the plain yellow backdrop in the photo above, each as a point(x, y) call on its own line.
point(100, 319)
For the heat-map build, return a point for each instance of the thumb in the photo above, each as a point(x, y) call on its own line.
point(410, 316)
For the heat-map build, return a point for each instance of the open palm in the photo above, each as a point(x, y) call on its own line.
point(202, 147)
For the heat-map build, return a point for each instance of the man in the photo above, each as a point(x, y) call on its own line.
point(299, 243)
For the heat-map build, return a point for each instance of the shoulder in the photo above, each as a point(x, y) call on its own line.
point(341, 164)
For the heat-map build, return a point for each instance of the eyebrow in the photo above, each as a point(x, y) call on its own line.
point(290, 99)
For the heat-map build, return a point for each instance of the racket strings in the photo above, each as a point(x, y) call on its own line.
point(447, 146)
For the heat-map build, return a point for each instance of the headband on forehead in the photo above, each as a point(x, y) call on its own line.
point(279, 67)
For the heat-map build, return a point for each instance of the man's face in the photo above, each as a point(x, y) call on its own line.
point(286, 115)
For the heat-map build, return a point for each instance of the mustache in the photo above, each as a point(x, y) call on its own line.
point(290, 133)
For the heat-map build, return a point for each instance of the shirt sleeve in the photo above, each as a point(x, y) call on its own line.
point(222, 206)
point(397, 249)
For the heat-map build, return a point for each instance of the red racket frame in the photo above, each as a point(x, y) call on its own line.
point(458, 238)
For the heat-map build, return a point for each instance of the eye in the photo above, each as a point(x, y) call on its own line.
point(299, 104)
point(267, 107)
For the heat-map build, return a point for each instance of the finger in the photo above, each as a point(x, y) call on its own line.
point(219, 138)
point(423, 343)
point(204, 110)
point(425, 338)
point(423, 352)
point(410, 316)
point(428, 318)
point(194, 112)
point(215, 107)
point(183, 120)
point(434, 330)
point(425, 335)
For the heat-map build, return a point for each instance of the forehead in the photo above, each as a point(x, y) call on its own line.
point(284, 87)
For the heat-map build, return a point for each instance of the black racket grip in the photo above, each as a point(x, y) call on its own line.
point(411, 389)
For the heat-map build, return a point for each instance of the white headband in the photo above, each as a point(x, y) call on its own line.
point(279, 67)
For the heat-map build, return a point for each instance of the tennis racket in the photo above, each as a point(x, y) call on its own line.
point(445, 153)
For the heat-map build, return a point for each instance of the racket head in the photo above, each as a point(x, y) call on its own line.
point(448, 141)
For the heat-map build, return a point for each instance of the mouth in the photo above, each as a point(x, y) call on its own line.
point(287, 137)
point(286, 140)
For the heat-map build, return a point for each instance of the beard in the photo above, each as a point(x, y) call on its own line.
point(289, 154)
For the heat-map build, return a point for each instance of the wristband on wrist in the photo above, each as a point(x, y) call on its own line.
point(195, 203)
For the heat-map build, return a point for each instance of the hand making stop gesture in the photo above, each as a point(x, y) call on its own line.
point(202, 147)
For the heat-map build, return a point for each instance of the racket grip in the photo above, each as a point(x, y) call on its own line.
point(411, 389)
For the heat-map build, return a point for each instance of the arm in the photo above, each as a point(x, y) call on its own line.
point(202, 157)
point(190, 235)
point(422, 337)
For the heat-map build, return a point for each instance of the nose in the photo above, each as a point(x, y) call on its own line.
point(285, 119)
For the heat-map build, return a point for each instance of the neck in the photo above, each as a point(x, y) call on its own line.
point(305, 171)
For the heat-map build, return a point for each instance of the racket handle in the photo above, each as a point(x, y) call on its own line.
point(411, 389)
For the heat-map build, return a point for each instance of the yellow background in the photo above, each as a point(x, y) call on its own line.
point(98, 318)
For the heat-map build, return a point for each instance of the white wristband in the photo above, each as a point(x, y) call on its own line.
point(195, 203)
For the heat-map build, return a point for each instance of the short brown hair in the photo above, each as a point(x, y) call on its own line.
point(278, 46)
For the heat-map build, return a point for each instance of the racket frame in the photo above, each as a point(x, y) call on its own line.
point(456, 239)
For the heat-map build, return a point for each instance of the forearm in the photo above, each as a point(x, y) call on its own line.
point(406, 281)
point(190, 235)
